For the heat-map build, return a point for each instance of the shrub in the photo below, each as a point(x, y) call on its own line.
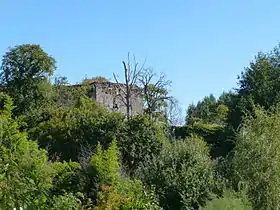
point(183, 174)
point(25, 174)
point(65, 202)
point(67, 177)
point(141, 140)
point(256, 160)
point(106, 164)
point(109, 199)
point(114, 190)
point(68, 129)
point(128, 194)
point(213, 134)
point(137, 196)
point(230, 201)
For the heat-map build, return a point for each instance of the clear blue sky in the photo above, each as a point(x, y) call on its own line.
point(200, 45)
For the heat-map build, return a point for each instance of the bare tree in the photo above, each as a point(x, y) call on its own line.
point(173, 113)
point(155, 90)
point(132, 72)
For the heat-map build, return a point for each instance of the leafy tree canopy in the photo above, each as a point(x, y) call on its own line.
point(25, 73)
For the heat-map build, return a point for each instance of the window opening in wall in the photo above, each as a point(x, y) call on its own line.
point(115, 107)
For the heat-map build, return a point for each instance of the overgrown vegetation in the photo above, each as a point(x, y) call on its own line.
point(61, 150)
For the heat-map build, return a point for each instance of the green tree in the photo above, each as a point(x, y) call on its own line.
point(65, 94)
point(221, 114)
point(227, 98)
point(25, 174)
point(256, 159)
point(155, 92)
point(236, 108)
point(155, 99)
point(67, 179)
point(25, 73)
point(116, 191)
point(67, 130)
point(106, 164)
point(205, 111)
point(141, 140)
point(260, 80)
point(258, 85)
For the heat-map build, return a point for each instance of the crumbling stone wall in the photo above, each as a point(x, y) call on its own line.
point(109, 95)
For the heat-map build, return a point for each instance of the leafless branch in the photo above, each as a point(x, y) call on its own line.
point(131, 74)
point(173, 113)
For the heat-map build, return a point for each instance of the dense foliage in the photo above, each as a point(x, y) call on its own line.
point(26, 70)
point(61, 150)
point(229, 201)
point(183, 174)
point(66, 131)
point(26, 174)
point(256, 160)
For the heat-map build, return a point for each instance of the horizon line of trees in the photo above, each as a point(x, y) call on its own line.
point(61, 150)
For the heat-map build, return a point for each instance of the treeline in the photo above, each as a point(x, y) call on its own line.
point(61, 150)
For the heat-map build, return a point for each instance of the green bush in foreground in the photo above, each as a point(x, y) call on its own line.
point(65, 202)
point(228, 202)
point(114, 190)
point(183, 174)
point(256, 161)
point(67, 130)
point(25, 173)
point(141, 140)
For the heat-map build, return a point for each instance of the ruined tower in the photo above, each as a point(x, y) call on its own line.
point(110, 96)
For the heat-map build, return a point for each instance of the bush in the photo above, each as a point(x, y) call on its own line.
point(214, 134)
point(128, 194)
point(68, 129)
point(141, 140)
point(25, 174)
point(115, 191)
point(65, 202)
point(256, 161)
point(106, 165)
point(183, 174)
point(67, 178)
point(108, 198)
point(137, 196)
point(230, 201)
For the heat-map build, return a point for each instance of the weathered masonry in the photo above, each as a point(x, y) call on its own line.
point(111, 96)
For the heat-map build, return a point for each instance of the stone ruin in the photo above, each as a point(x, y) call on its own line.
point(110, 96)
